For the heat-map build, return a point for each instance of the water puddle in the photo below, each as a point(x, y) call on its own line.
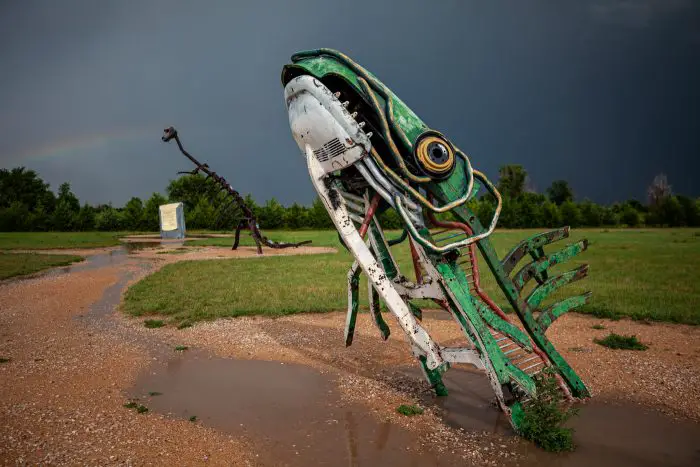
point(132, 247)
point(606, 433)
point(102, 260)
point(292, 409)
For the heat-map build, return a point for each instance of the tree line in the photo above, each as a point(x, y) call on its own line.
point(28, 204)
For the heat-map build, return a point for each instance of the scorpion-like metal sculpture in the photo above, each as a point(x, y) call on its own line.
point(248, 221)
point(368, 152)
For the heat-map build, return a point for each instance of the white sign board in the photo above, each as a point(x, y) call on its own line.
point(168, 217)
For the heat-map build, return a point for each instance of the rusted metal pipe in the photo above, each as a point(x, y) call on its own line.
point(370, 214)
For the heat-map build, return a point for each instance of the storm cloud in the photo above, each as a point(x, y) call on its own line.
point(601, 93)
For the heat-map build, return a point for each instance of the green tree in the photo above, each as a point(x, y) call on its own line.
point(202, 216)
point(189, 189)
point(296, 217)
point(630, 216)
point(67, 208)
point(85, 221)
point(530, 210)
point(318, 216)
point(25, 186)
point(108, 219)
point(591, 214)
point(485, 211)
point(691, 210)
point(560, 192)
point(271, 215)
point(151, 213)
point(511, 183)
point(570, 214)
point(550, 215)
point(15, 217)
point(608, 216)
point(134, 214)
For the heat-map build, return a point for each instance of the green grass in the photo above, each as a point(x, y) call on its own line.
point(57, 240)
point(154, 323)
point(618, 342)
point(640, 273)
point(598, 326)
point(20, 264)
point(409, 410)
point(181, 348)
point(317, 237)
point(544, 417)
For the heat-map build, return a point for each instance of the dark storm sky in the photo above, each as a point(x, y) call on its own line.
point(605, 94)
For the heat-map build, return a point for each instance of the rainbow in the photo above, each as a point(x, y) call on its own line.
point(80, 144)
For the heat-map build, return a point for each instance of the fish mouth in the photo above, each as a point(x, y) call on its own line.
point(355, 104)
point(319, 120)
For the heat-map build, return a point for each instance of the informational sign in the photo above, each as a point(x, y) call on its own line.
point(172, 220)
point(168, 217)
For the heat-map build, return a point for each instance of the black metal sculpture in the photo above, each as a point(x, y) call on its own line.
point(248, 221)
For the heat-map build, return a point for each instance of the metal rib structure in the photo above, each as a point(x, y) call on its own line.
point(248, 221)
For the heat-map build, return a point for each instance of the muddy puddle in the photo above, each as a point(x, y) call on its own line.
point(293, 410)
point(102, 260)
point(606, 433)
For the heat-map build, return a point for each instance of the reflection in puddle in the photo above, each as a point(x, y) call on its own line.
point(110, 258)
point(606, 434)
point(292, 409)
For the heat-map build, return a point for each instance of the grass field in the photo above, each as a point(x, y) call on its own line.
point(646, 274)
point(58, 240)
point(19, 264)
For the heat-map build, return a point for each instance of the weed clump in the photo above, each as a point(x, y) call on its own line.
point(184, 324)
point(409, 410)
point(154, 323)
point(155, 393)
point(181, 348)
point(544, 416)
point(139, 408)
point(597, 326)
point(193, 418)
point(616, 341)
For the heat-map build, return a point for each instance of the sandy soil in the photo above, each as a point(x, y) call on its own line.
point(64, 384)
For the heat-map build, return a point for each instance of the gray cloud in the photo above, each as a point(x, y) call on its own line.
point(87, 87)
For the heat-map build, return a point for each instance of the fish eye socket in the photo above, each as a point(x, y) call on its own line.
point(438, 153)
point(434, 156)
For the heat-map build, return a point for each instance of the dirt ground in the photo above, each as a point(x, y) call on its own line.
point(72, 362)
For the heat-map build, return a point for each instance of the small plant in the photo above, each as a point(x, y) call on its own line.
point(184, 324)
point(193, 418)
point(597, 326)
point(154, 323)
point(544, 416)
point(409, 410)
point(181, 348)
point(155, 393)
point(616, 341)
point(4, 359)
point(139, 408)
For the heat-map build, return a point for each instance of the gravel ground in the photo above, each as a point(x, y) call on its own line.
point(63, 386)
